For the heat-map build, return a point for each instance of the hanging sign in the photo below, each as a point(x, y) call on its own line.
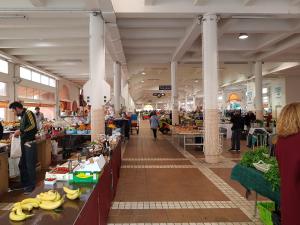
point(165, 87)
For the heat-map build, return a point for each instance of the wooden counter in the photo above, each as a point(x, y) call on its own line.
point(3, 172)
point(44, 150)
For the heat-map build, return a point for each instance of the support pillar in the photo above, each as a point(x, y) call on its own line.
point(258, 90)
point(97, 72)
point(174, 95)
point(117, 87)
point(210, 78)
point(57, 103)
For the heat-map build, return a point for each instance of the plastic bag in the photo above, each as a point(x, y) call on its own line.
point(13, 165)
point(15, 149)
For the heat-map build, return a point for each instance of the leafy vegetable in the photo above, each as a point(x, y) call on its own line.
point(272, 176)
point(251, 157)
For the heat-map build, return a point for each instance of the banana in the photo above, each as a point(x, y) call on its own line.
point(31, 200)
point(74, 196)
point(15, 217)
point(70, 191)
point(49, 205)
point(19, 212)
point(58, 197)
point(47, 196)
point(27, 206)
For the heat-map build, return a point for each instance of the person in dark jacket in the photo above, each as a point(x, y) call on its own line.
point(288, 157)
point(27, 132)
point(237, 127)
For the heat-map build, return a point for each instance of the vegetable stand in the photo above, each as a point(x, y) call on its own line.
point(254, 180)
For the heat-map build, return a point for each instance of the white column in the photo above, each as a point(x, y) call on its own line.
point(13, 71)
point(174, 95)
point(117, 87)
point(57, 103)
point(210, 79)
point(97, 72)
point(258, 90)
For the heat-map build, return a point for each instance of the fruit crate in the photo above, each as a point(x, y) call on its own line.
point(265, 212)
point(91, 177)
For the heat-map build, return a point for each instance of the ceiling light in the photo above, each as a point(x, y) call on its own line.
point(142, 81)
point(143, 73)
point(196, 81)
point(243, 36)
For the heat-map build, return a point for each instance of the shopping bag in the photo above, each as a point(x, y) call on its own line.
point(15, 148)
point(13, 164)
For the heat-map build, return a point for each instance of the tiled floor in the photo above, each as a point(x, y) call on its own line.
point(160, 183)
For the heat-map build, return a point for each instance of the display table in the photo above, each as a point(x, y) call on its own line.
point(254, 180)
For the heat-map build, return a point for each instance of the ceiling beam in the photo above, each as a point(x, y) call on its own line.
point(249, 2)
point(151, 33)
point(154, 43)
point(44, 33)
point(41, 58)
point(153, 23)
point(200, 2)
point(149, 2)
point(291, 43)
point(39, 3)
point(48, 51)
point(78, 42)
point(187, 41)
point(295, 2)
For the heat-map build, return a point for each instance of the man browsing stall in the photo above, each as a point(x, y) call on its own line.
point(27, 132)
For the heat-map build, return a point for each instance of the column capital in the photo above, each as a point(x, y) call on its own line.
point(209, 16)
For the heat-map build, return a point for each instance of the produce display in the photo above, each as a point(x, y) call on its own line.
point(49, 200)
point(261, 154)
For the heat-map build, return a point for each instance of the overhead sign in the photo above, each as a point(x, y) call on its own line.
point(165, 87)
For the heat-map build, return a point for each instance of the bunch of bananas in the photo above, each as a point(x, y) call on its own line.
point(83, 176)
point(28, 204)
point(72, 194)
point(50, 200)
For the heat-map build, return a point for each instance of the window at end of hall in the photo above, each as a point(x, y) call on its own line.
point(3, 66)
point(2, 89)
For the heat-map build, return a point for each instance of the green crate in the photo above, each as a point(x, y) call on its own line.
point(93, 179)
point(265, 210)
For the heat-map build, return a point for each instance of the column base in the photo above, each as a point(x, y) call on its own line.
point(97, 123)
point(213, 159)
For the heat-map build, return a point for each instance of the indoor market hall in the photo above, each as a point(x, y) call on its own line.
point(161, 183)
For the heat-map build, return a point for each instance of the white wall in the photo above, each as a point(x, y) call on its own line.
point(74, 90)
point(292, 89)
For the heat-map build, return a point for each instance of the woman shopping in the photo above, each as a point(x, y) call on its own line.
point(154, 123)
point(288, 156)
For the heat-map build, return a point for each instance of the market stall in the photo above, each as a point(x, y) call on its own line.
point(83, 196)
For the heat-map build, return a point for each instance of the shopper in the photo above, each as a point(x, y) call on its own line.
point(154, 123)
point(27, 132)
point(39, 117)
point(237, 127)
point(288, 156)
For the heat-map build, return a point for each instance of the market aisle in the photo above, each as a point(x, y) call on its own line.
point(160, 183)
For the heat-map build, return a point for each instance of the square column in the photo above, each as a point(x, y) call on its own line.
point(212, 147)
point(117, 87)
point(258, 90)
point(97, 72)
point(174, 96)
